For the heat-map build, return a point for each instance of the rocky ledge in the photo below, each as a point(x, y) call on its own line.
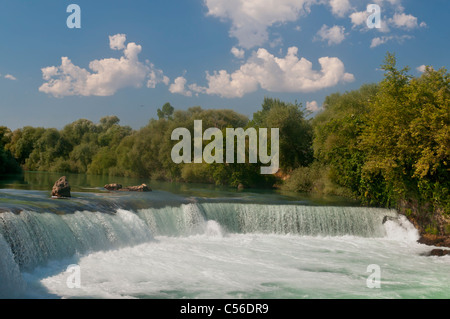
point(437, 241)
point(118, 187)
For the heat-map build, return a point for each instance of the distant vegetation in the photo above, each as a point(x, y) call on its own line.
point(386, 144)
point(108, 148)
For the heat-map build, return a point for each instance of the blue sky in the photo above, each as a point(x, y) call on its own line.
point(130, 57)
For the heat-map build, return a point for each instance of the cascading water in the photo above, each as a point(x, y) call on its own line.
point(276, 219)
point(11, 283)
point(34, 238)
point(210, 249)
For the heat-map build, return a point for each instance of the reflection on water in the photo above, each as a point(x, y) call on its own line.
point(82, 183)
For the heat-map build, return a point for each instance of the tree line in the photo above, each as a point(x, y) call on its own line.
point(384, 144)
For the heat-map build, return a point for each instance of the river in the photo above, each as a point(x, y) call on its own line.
point(199, 241)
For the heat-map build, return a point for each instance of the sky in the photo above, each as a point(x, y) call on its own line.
point(128, 58)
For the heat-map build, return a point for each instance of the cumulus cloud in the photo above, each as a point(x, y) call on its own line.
point(421, 68)
point(105, 76)
point(10, 77)
point(334, 35)
point(405, 21)
point(313, 106)
point(179, 87)
point(238, 53)
point(359, 18)
point(382, 40)
point(253, 20)
point(340, 7)
point(117, 42)
point(286, 74)
point(250, 19)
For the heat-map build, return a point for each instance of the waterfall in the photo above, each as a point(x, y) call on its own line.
point(278, 219)
point(184, 220)
point(300, 220)
point(29, 239)
point(34, 238)
point(11, 282)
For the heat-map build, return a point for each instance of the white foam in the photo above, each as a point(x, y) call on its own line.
point(401, 229)
point(256, 266)
point(213, 229)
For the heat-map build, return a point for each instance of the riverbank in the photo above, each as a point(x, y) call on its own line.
point(433, 226)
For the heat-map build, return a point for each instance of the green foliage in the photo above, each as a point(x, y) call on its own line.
point(391, 141)
point(337, 132)
point(314, 178)
point(108, 148)
point(296, 132)
point(407, 140)
point(8, 164)
point(165, 112)
point(305, 179)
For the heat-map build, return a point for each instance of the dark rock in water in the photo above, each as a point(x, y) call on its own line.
point(61, 188)
point(435, 240)
point(140, 188)
point(439, 252)
point(113, 187)
point(118, 187)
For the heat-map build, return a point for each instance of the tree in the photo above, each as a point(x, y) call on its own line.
point(295, 131)
point(8, 165)
point(166, 111)
point(337, 132)
point(407, 139)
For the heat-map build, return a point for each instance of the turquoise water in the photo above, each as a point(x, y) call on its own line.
point(207, 243)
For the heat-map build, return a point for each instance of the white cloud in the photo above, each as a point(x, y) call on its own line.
point(340, 7)
point(313, 106)
point(179, 87)
point(117, 42)
point(250, 19)
point(334, 35)
point(421, 68)
point(264, 70)
point(359, 18)
point(10, 77)
point(405, 21)
point(107, 76)
point(382, 40)
point(238, 53)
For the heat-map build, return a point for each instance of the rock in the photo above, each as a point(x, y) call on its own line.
point(113, 187)
point(439, 252)
point(386, 218)
point(140, 188)
point(61, 188)
point(118, 187)
point(435, 240)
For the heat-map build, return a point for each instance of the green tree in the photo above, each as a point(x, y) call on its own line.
point(8, 164)
point(337, 133)
point(295, 131)
point(165, 112)
point(407, 139)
